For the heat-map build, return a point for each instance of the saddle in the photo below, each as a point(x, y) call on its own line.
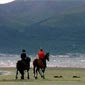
point(40, 63)
point(26, 62)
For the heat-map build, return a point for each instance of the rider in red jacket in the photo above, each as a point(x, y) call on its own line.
point(41, 54)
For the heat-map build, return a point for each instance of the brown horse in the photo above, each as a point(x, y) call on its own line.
point(21, 66)
point(39, 66)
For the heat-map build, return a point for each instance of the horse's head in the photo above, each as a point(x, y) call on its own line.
point(47, 56)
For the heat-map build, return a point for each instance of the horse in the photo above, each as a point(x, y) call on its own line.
point(39, 66)
point(21, 66)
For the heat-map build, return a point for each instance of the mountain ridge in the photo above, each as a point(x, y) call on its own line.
point(58, 30)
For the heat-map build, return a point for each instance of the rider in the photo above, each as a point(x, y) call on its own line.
point(25, 58)
point(23, 54)
point(41, 55)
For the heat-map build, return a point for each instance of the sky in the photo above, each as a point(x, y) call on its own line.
point(5, 1)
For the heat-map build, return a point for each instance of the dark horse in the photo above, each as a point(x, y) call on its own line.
point(39, 66)
point(21, 66)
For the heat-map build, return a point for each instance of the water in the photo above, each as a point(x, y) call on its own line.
point(67, 60)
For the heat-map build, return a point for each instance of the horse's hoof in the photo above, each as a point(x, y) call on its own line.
point(22, 78)
point(43, 77)
point(28, 77)
point(16, 78)
point(35, 77)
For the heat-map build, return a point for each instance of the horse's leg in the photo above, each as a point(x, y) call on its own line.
point(35, 69)
point(16, 73)
point(22, 77)
point(22, 74)
point(43, 71)
point(35, 72)
point(28, 74)
point(40, 72)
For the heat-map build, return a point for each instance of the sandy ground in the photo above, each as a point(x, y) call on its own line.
point(53, 76)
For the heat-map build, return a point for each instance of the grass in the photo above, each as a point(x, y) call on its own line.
point(51, 77)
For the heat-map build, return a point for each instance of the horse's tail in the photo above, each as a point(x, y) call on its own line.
point(19, 66)
point(16, 70)
point(34, 66)
point(34, 70)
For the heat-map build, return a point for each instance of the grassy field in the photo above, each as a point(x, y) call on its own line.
point(52, 77)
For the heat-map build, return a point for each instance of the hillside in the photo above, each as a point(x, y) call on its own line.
point(56, 27)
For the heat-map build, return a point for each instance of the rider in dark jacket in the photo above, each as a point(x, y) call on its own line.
point(25, 58)
point(23, 54)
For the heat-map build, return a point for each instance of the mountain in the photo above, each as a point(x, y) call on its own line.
point(55, 26)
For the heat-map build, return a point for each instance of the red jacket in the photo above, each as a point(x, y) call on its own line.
point(41, 54)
